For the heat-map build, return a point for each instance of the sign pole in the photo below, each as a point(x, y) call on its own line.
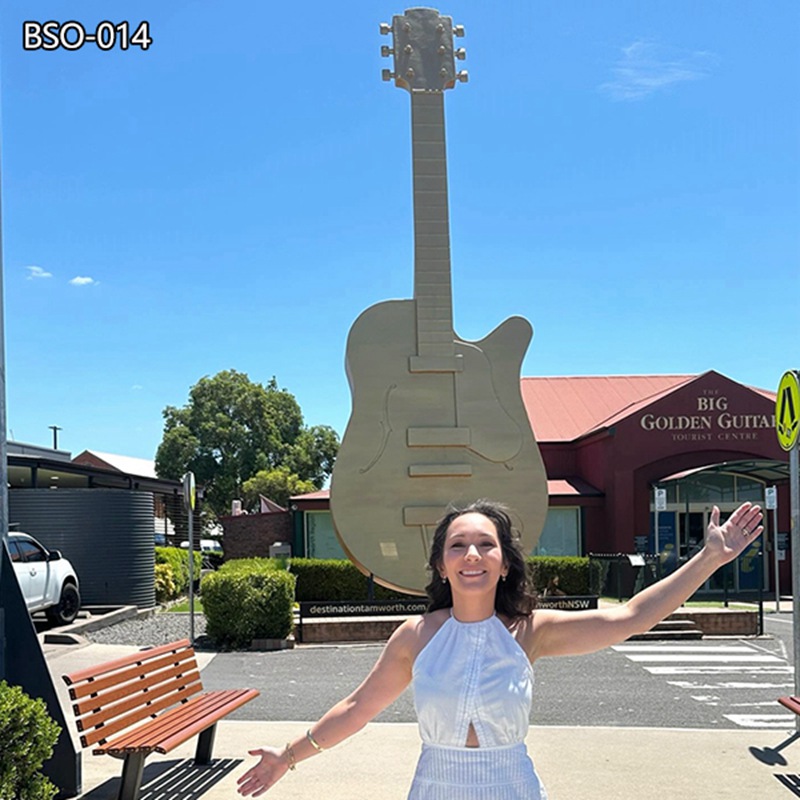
point(661, 505)
point(795, 545)
point(787, 426)
point(189, 495)
point(771, 504)
point(777, 560)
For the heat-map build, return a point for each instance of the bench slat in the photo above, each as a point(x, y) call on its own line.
point(103, 732)
point(91, 687)
point(141, 657)
point(221, 707)
point(792, 703)
point(101, 710)
point(179, 724)
point(150, 734)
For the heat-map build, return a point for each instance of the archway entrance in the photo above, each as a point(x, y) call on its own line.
point(691, 496)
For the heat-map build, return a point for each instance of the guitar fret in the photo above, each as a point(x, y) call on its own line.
point(432, 288)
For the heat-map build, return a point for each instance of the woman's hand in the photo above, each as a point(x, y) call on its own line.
point(725, 542)
point(272, 766)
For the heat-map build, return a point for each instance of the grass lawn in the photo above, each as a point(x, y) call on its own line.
point(704, 604)
point(183, 606)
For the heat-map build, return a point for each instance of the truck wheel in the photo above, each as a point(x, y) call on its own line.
point(68, 606)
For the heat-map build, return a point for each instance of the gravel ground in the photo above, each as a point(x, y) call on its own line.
point(160, 628)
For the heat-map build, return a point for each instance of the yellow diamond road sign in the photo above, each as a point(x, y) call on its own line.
point(787, 410)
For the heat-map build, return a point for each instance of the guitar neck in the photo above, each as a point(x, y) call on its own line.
point(432, 288)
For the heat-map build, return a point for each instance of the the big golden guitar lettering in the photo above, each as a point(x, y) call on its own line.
point(435, 419)
point(719, 422)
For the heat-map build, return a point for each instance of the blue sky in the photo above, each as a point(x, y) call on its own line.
point(625, 175)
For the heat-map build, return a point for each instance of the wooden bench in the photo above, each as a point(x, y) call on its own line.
point(148, 702)
point(792, 703)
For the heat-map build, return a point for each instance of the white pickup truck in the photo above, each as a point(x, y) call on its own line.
point(47, 579)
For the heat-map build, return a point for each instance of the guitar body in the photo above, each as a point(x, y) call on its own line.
point(418, 441)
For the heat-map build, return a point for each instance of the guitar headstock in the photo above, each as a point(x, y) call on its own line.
point(424, 55)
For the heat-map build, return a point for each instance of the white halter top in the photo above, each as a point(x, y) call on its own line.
point(473, 672)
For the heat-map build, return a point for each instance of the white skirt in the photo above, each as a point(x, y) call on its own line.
point(476, 773)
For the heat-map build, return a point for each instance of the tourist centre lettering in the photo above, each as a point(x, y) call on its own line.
point(713, 421)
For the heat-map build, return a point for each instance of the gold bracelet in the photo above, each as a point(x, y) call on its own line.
point(317, 746)
point(290, 757)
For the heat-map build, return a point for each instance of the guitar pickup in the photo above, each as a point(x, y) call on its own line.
point(440, 470)
point(436, 363)
point(438, 437)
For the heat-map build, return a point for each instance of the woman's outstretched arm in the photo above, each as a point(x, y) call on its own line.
point(561, 633)
point(384, 684)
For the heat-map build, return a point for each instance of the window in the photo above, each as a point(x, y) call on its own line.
point(14, 551)
point(31, 552)
point(321, 541)
point(562, 533)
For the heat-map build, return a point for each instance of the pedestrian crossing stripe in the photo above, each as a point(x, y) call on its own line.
point(762, 720)
point(706, 671)
point(787, 410)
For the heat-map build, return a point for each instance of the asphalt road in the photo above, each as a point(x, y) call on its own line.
point(714, 683)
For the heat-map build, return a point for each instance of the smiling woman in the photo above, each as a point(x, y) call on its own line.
point(470, 657)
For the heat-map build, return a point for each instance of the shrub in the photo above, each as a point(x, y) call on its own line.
point(178, 561)
point(242, 604)
point(250, 564)
point(166, 585)
point(27, 737)
point(574, 573)
point(334, 579)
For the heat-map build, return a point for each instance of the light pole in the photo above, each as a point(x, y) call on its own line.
point(55, 430)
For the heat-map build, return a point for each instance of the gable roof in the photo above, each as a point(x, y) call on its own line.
point(562, 409)
point(141, 467)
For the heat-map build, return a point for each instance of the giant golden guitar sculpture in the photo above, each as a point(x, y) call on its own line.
point(435, 419)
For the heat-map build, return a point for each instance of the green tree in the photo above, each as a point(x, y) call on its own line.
point(277, 484)
point(232, 428)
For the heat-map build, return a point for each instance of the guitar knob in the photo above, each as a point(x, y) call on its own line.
point(458, 30)
point(387, 75)
point(460, 53)
point(463, 76)
point(386, 28)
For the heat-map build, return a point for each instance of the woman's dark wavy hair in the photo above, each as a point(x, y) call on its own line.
point(514, 597)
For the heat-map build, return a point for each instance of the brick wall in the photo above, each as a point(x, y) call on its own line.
point(722, 622)
point(250, 535)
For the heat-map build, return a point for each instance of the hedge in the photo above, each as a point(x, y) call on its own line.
point(27, 738)
point(574, 573)
point(177, 560)
point(336, 579)
point(248, 602)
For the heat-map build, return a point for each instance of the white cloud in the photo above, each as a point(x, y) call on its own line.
point(645, 68)
point(136, 387)
point(38, 272)
point(81, 280)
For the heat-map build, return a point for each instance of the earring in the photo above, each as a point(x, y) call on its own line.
point(503, 578)
point(444, 579)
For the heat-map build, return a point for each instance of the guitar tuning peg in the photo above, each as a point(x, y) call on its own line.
point(458, 30)
point(463, 76)
point(386, 28)
point(387, 75)
point(386, 51)
point(460, 53)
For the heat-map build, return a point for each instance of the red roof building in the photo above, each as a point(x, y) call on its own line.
point(608, 442)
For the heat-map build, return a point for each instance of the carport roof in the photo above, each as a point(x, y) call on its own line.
point(759, 469)
point(100, 477)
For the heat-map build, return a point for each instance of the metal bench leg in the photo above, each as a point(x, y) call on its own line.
point(131, 776)
point(205, 744)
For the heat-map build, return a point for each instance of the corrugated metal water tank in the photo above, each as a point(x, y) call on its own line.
point(107, 534)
